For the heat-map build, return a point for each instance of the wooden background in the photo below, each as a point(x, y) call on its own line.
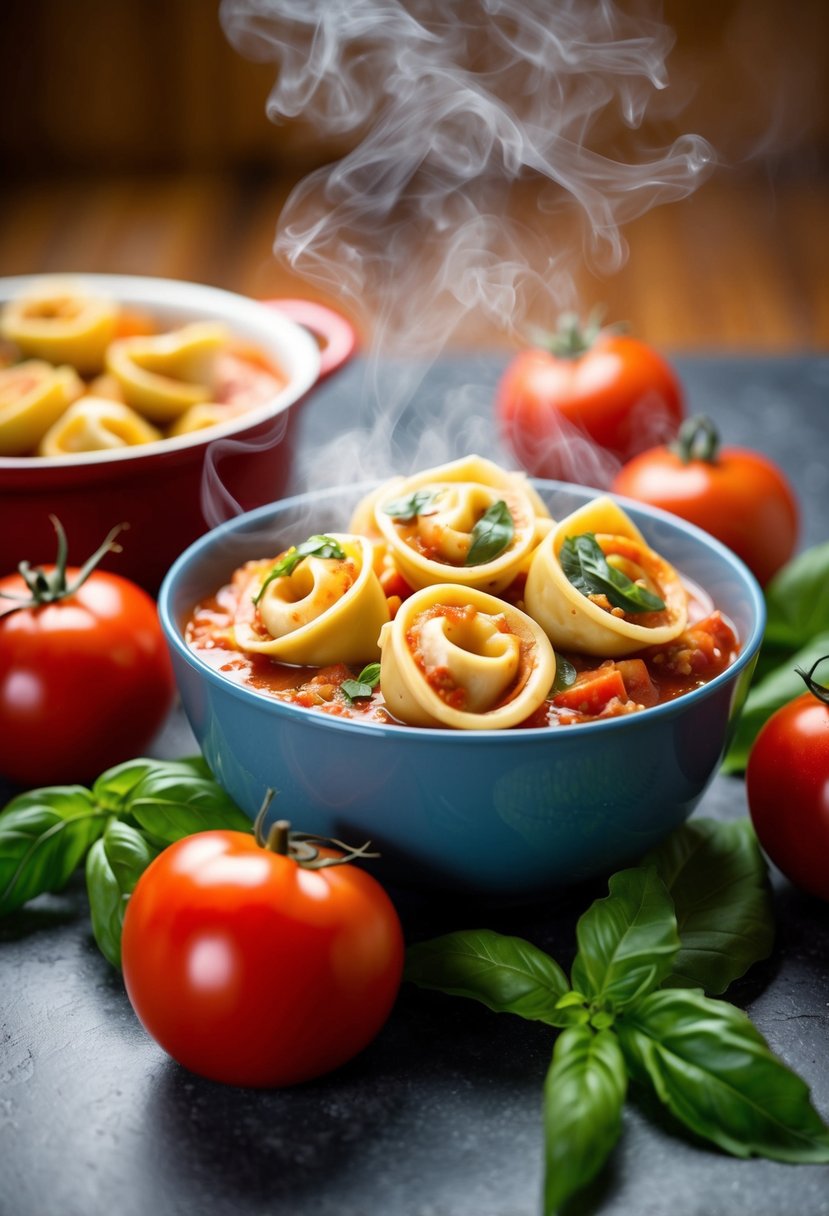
point(135, 139)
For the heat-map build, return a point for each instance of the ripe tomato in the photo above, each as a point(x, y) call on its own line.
point(574, 410)
point(737, 495)
point(787, 782)
point(85, 674)
point(249, 968)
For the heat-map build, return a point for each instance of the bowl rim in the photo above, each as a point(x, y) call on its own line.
point(179, 294)
point(442, 735)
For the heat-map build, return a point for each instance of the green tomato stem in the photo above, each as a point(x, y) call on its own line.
point(698, 439)
point(820, 691)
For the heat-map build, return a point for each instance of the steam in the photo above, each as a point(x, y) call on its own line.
point(446, 110)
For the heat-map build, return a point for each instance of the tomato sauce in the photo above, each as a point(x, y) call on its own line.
point(601, 689)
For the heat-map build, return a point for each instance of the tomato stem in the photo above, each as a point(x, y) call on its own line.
point(572, 338)
point(48, 588)
point(698, 439)
point(303, 847)
point(817, 690)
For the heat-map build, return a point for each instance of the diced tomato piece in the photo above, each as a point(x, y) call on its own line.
point(591, 691)
point(394, 584)
point(640, 687)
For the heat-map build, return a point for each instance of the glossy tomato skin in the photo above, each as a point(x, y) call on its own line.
point(85, 682)
point(740, 497)
point(619, 394)
point(249, 969)
point(787, 782)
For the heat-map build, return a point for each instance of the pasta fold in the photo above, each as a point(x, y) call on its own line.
point(61, 324)
point(458, 657)
point(164, 375)
point(587, 622)
point(33, 395)
point(95, 424)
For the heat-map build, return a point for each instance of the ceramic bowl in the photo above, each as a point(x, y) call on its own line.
point(516, 814)
point(173, 490)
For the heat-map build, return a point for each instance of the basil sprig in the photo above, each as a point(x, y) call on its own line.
point(491, 535)
point(315, 546)
point(796, 635)
point(419, 502)
point(364, 685)
point(691, 918)
point(115, 830)
point(586, 567)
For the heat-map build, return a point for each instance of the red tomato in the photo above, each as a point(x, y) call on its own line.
point(787, 782)
point(604, 390)
point(85, 678)
point(248, 968)
point(735, 494)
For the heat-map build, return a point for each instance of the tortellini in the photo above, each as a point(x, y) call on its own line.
point(164, 375)
point(589, 623)
point(33, 395)
point(95, 424)
point(468, 522)
point(322, 610)
point(458, 657)
point(61, 324)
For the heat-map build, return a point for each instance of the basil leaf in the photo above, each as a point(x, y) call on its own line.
point(491, 535)
point(627, 941)
point(113, 866)
point(779, 687)
point(505, 973)
point(114, 787)
point(716, 1073)
point(412, 505)
point(169, 806)
point(365, 683)
point(565, 674)
point(316, 546)
point(586, 567)
point(797, 600)
point(44, 836)
point(583, 1096)
point(717, 878)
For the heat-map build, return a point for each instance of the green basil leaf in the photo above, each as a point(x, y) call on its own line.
point(715, 1072)
point(491, 535)
point(797, 600)
point(627, 941)
point(44, 836)
point(315, 546)
point(418, 503)
point(718, 880)
point(583, 1097)
point(565, 674)
point(170, 806)
point(586, 567)
point(113, 866)
point(114, 787)
point(505, 973)
point(776, 689)
point(365, 683)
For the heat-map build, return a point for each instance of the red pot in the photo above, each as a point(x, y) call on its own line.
point(172, 491)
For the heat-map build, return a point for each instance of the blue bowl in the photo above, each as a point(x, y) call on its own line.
point(515, 814)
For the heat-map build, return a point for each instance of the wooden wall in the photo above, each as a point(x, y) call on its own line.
point(112, 85)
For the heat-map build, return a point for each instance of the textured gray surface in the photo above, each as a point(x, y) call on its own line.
point(441, 1116)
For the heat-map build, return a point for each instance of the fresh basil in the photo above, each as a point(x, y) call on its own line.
point(627, 941)
point(420, 502)
point(506, 974)
point(364, 685)
point(44, 836)
point(113, 866)
point(491, 535)
point(715, 1072)
point(584, 1092)
point(718, 880)
point(586, 567)
point(781, 685)
point(565, 674)
point(170, 805)
point(114, 788)
point(797, 600)
point(316, 546)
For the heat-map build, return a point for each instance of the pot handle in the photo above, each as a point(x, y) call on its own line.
point(338, 336)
